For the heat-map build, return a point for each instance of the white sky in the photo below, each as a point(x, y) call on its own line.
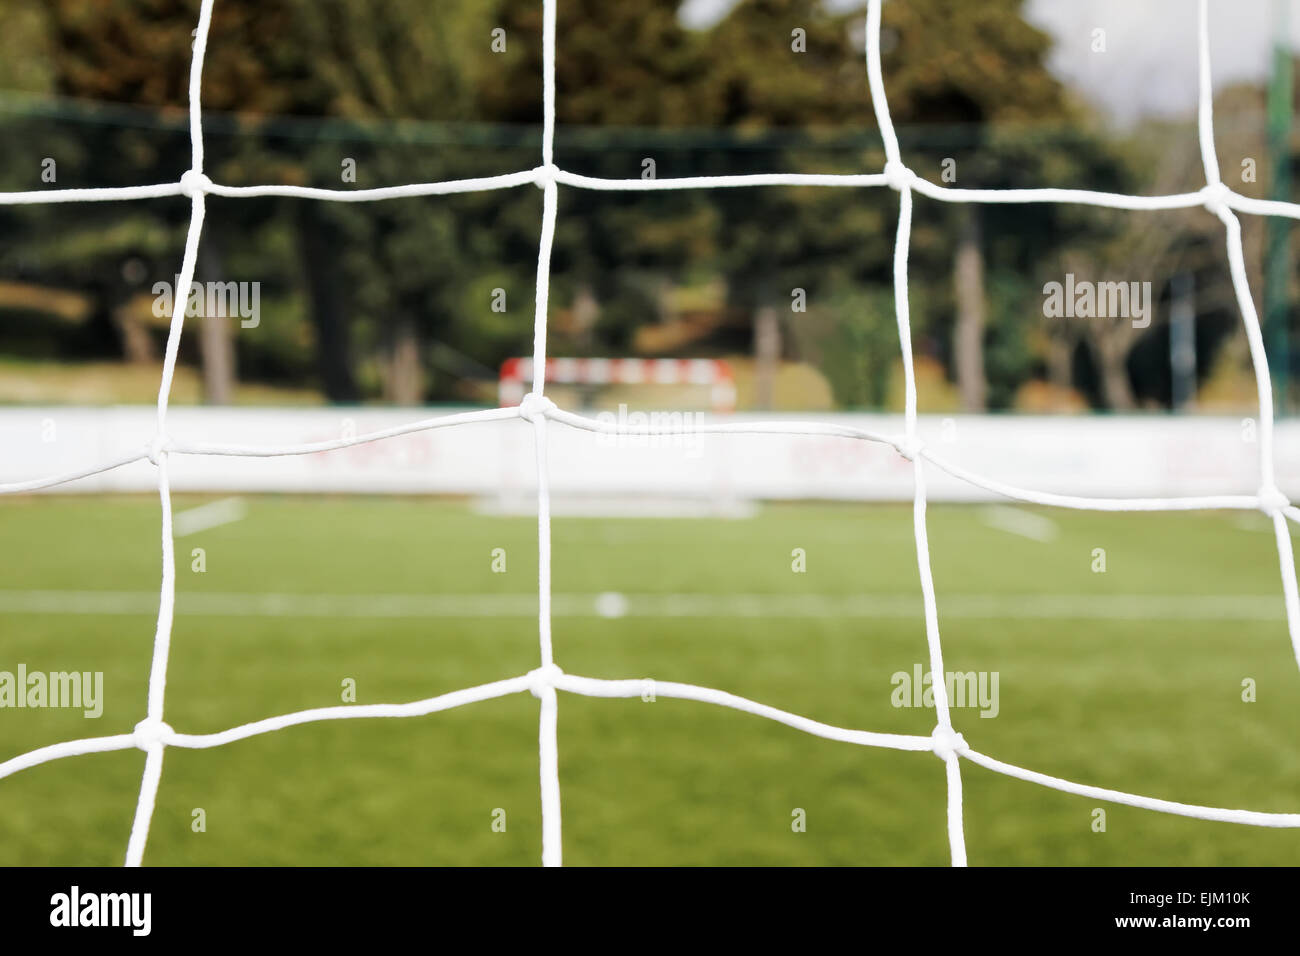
point(1149, 66)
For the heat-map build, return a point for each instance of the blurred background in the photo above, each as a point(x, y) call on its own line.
point(1143, 652)
point(418, 301)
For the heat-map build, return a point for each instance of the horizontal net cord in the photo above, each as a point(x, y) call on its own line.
point(705, 427)
point(36, 484)
point(633, 688)
point(1254, 818)
point(311, 448)
point(419, 708)
point(160, 734)
point(595, 687)
point(1092, 503)
point(1263, 207)
point(1053, 194)
point(70, 748)
point(406, 191)
point(589, 424)
point(1206, 196)
point(720, 182)
point(902, 446)
point(98, 194)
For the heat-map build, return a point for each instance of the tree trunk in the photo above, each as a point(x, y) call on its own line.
point(404, 384)
point(968, 331)
point(1112, 365)
point(321, 271)
point(1060, 360)
point(137, 344)
point(767, 355)
point(586, 311)
point(216, 336)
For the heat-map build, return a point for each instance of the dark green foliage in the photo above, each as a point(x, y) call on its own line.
point(414, 92)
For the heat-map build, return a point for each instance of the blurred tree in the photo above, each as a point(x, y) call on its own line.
point(295, 87)
point(349, 61)
point(775, 65)
point(630, 73)
point(980, 69)
point(138, 52)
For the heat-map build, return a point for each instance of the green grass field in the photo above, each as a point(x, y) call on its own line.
point(1129, 679)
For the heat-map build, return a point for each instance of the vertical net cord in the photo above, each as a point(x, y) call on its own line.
point(1271, 499)
point(150, 734)
point(544, 681)
point(947, 740)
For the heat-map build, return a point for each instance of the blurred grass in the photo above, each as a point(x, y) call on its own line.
point(35, 382)
point(1149, 706)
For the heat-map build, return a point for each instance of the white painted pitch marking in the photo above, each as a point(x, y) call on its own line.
point(1255, 522)
point(1026, 524)
point(611, 604)
point(211, 515)
point(1134, 607)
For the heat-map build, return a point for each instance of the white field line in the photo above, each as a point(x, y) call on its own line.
point(1018, 521)
point(595, 506)
point(1228, 607)
point(1259, 524)
point(211, 515)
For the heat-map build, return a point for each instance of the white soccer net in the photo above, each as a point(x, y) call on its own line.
point(153, 735)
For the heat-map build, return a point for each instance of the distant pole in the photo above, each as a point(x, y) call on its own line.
point(1278, 256)
point(767, 356)
point(1182, 342)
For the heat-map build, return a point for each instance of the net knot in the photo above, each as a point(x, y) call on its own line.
point(151, 732)
point(544, 176)
point(946, 742)
point(1215, 197)
point(194, 183)
point(534, 406)
point(543, 679)
point(158, 447)
point(1272, 501)
point(909, 446)
point(898, 176)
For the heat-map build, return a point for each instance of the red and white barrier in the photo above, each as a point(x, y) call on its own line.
point(714, 374)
